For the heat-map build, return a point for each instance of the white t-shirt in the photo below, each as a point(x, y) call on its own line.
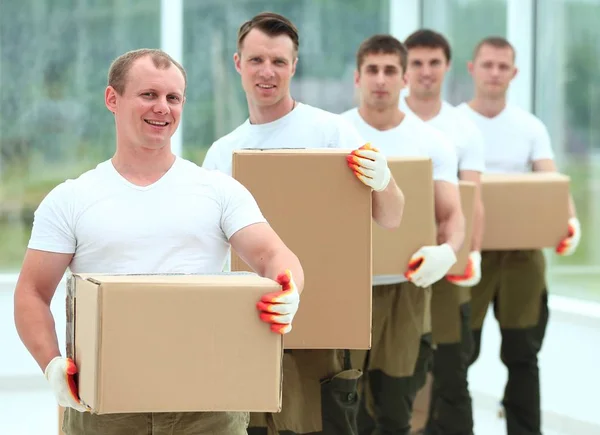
point(461, 131)
point(304, 127)
point(514, 139)
point(412, 138)
point(180, 224)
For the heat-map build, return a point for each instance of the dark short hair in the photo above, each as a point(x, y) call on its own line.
point(117, 74)
point(494, 41)
point(270, 23)
point(381, 43)
point(429, 39)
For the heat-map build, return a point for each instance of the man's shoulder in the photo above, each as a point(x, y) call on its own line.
point(231, 139)
point(525, 117)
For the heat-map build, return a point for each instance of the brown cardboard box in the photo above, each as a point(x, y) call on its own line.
point(467, 200)
point(392, 249)
point(323, 214)
point(174, 343)
point(524, 211)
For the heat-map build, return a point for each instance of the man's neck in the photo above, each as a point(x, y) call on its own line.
point(381, 119)
point(488, 107)
point(266, 114)
point(424, 108)
point(142, 167)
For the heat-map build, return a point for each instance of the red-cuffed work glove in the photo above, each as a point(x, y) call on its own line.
point(279, 308)
point(568, 245)
point(370, 167)
point(430, 264)
point(60, 373)
point(472, 274)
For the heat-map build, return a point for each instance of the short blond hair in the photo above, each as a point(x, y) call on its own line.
point(117, 73)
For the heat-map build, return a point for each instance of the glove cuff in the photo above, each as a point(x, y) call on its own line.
point(48, 367)
point(475, 256)
point(387, 176)
point(450, 251)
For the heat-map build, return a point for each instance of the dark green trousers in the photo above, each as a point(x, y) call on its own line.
point(514, 282)
point(320, 396)
point(450, 408)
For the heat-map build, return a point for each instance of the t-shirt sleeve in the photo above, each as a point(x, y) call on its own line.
point(238, 207)
point(444, 159)
point(473, 154)
point(541, 148)
point(346, 135)
point(53, 227)
point(211, 158)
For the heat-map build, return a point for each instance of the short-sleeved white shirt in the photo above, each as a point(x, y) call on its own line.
point(411, 138)
point(513, 139)
point(180, 224)
point(304, 127)
point(461, 131)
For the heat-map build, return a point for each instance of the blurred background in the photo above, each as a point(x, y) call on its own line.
point(54, 59)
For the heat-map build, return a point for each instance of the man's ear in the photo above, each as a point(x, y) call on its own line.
point(110, 99)
point(237, 61)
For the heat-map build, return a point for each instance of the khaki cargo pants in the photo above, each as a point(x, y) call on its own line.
point(184, 423)
point(515, 282)
point(450, 411)
point(320, 396)
point(395, 368)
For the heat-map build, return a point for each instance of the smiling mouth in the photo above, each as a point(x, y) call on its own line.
point(266, 86)
point(156, 123)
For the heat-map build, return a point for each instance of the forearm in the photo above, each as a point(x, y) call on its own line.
point(35, 326)
point(478, 226)
point(451, 230)
point(388, 206)
point(280, 260)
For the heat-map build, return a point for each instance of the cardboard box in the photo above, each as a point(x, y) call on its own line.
point(467, 201)
point(524, 211)
point(173, 343)
point(322, 212)
point(392, 249)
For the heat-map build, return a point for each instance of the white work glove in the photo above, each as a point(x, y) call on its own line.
point(472, 274)
point(568, 245)
point(279, 308)
point(60, 374)
point(370, 167)
point(430, 264)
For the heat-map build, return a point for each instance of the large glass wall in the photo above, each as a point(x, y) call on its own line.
point(54, 59)
point(567, 99)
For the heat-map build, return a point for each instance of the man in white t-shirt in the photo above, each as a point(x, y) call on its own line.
point(395, 368)
point(145, 211)
point(450, 409)
point(515, 142)
point(319, 386)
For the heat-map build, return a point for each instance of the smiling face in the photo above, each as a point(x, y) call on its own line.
point(148, 111)
point(425, 71)
point(266, 65)
point(380, 80)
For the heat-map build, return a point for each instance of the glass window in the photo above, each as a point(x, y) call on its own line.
point(464, 23)
point(54, 59)
point(567, 99)
point(330, 32)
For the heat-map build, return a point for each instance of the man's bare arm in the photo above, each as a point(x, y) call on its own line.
point(264, 251)
point(40, 275)
point(388, 206)
point(449, 216)
point(479, 215)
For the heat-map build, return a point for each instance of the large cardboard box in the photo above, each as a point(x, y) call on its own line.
point(392, 249)
point(322, 212)
point(173, 343)
point(524, 211)
point(467, 200)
